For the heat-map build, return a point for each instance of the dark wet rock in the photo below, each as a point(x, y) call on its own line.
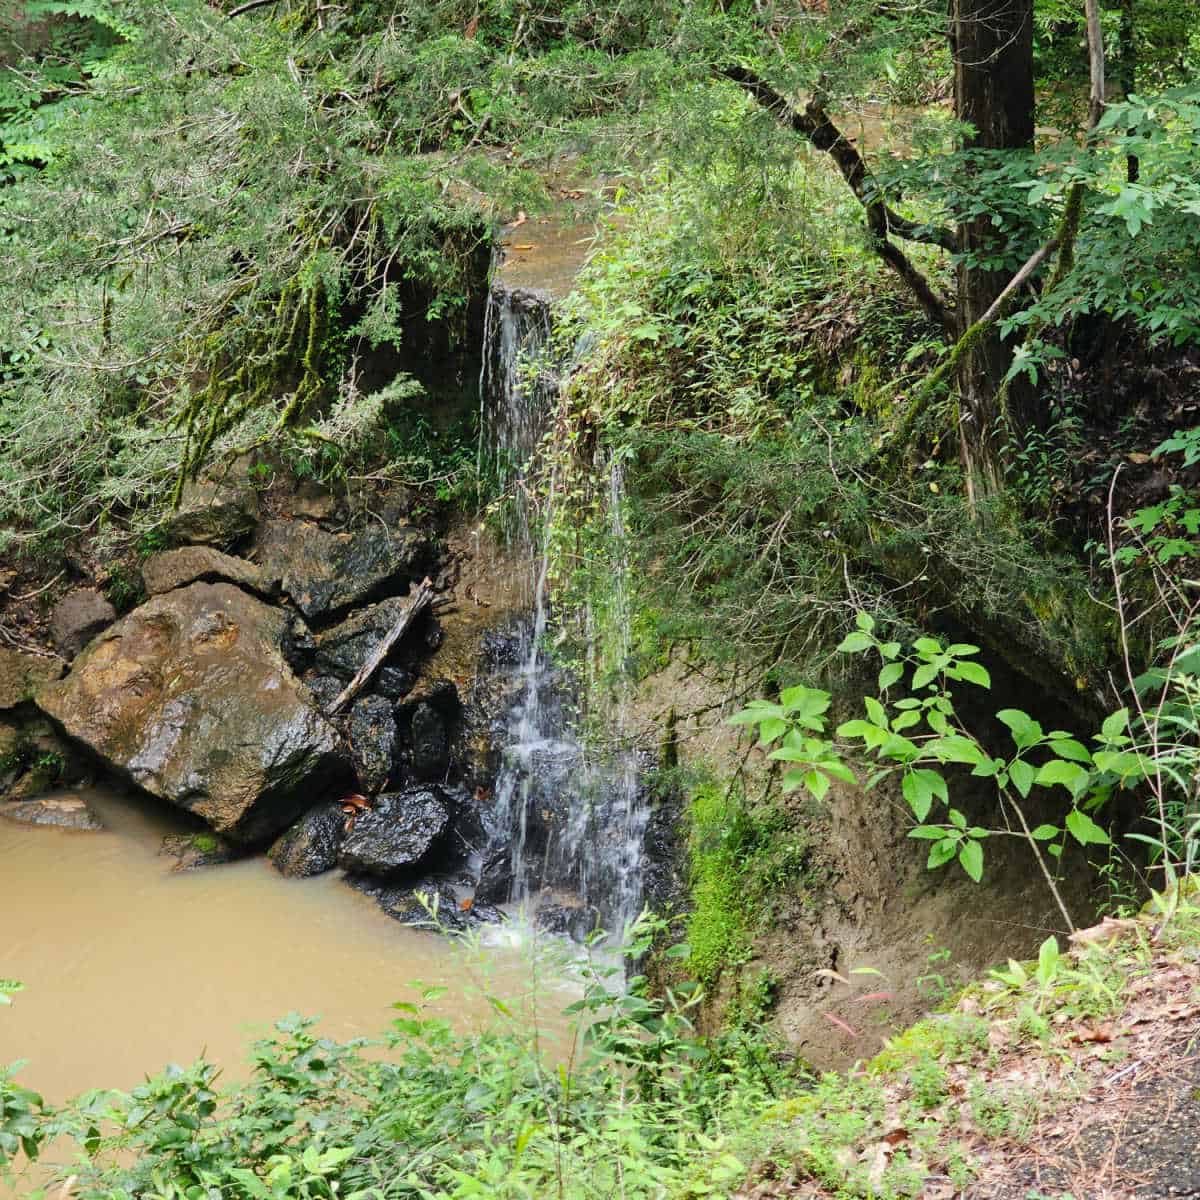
point(429, 752)
point(469, 836)
point(23, 674)
point(572, 918)
point(324, 689)
point(298, 644)
point(213, 514)
point(394, 682)
point(397, 835)
point(403, 903)
point(495, 881)
point(373, 741)
point(66, 810)
point(342, 649)
point(310, 846)
point(191, 851)
point(77, 618)
point(189, 696)
point(202, 564)
point(439, 693)
point(325, 573)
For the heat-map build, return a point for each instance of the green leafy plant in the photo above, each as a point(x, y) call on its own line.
point(919, 736)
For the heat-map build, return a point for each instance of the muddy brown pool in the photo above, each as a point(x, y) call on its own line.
point(128, 967)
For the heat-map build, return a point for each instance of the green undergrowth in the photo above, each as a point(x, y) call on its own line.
point(749, 864)
point(620, 1097)
point(745, 359)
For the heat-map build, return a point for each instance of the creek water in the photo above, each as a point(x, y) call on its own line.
point(128, 966)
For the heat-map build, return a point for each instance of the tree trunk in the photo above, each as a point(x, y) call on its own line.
point(992, 44)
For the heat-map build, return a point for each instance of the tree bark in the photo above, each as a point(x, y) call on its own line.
point(992, 44)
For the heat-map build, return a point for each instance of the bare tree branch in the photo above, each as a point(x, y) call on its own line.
point(814, 123)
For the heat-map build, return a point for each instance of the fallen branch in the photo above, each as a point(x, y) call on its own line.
point(422, 599)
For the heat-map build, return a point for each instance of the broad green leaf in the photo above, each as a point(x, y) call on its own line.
point(771, 729)
point(864, 621)
point(953, 747)
point(1022, 775)
point(1068, 774)
point(1045, 833)
point(924, 675)
point(1068, 747)
point(928, 832)
point(1084, 830)
point(838, 769)
point(1025, 730)
point(1048, 957)
point(1115, 723)
point(974, 673)
point(875, 712)
point(940, 853)
point(970, 856)
point(855, 729)
point(891, 673)
point(918, 794)
point(854, 643)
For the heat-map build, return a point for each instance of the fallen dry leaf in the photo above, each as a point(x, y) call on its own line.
point(849, 1029)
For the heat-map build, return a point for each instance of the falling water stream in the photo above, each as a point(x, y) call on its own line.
point(569, 815)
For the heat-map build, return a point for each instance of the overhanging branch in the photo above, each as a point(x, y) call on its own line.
point(813, 123)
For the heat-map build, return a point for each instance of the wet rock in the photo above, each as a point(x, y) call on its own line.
point(410, 903)
point(569, 918)
point(325, 573)
point(394, 682)
point(213, 513)
point(373, 741)
point(324, 689)
point(66, 810)
point(430, 746)
point(77, 618)
point(313, 501)
point(191, 851)
point(495, 882)
point(310, 846)
point(23, 674)
point(397, 835)
point(342, 649)
point(202, 564)
point(189, 696)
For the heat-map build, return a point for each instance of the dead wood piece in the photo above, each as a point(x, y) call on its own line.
point(421, 599)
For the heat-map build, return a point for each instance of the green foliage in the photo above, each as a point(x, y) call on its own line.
point(426, 1111)
point(746, 862)
point(920, 737)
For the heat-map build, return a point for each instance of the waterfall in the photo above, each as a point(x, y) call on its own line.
point(569, 814)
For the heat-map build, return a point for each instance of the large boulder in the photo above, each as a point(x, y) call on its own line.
point(373, 741)
point(310, 846)
point(191, 564)
point(77, 618)
point(324, 573)
point(398, 835)
point(190, 697)
point(213, 513)
point(23, 674)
